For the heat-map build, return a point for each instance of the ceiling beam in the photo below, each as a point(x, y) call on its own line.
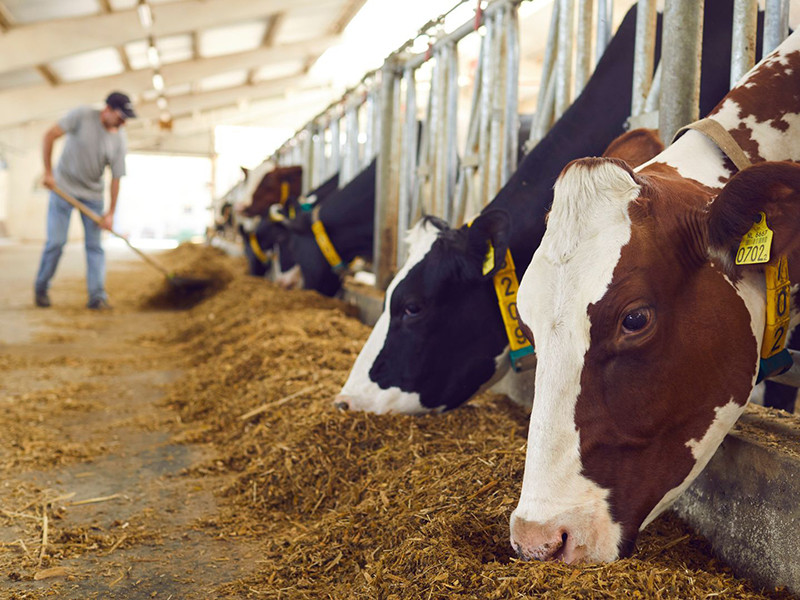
point(20, 105)
point(267, 113)
point(6, 19)
point(187, 104)
point(48, 75)
point(37, 43)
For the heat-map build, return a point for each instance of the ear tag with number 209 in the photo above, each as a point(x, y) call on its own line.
point(756, 243)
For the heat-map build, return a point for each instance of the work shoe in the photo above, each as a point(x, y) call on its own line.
point(42, 300)
point(98, 304)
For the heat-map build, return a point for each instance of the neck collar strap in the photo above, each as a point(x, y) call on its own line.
point(754, 249)
point(325, 244)
point(264, 257)
point(506, 286)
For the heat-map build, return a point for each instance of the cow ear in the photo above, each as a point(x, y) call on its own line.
point(488, 239)
point(635, 147)
point(769, 187)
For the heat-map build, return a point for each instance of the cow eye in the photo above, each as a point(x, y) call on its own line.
point(411, 309)
point(636, 320)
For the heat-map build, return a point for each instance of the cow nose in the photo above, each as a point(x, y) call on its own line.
point(342, 402)
point(534, 541)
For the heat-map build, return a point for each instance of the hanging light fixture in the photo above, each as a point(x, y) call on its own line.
point(152, 54)
point(158, 81)
point(145, 14)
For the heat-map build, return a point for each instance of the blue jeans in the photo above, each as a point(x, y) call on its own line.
point(58, 215)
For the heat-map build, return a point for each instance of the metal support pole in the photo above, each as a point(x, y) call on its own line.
point(511, 117)
point(605, 11)
point(334, 162)
point(776, 24)
point(644, 51)
point(496, 116)
point(450, 137)
point(743, 44)
point(385, 241)
point(681, 51)
point(583, 60)
point(408, 164)
point(307, 156)
point(566, 17)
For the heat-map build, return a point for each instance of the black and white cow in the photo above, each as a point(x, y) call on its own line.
point(440, 338)
point(348, 216)
point(274, 229)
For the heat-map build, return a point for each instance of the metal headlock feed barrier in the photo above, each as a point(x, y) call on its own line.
point(428, 166)
point(669, 97)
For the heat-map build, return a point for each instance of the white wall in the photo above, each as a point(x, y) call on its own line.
point(25, 199)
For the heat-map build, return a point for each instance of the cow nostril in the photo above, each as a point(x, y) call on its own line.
point(341, 405)
point(563, 538)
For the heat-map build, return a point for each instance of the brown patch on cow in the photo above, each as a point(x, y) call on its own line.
point(268, 191)
point(644, 395)
point(766, 97)
point(635, 147)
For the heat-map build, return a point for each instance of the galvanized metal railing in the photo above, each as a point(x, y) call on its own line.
point(669, 99)
point(560, 83)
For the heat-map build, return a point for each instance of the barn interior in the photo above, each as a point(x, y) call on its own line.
point(185, 443)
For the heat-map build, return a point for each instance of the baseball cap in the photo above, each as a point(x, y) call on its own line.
point(119, 101)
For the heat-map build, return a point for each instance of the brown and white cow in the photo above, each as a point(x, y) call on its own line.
point(647, 334)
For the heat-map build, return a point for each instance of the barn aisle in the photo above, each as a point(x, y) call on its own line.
point(90, 502)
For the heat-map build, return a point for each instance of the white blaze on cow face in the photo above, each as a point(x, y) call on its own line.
point(571, 269)
point(360, 392)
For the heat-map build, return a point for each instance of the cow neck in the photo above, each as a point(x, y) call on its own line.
point(775, 358)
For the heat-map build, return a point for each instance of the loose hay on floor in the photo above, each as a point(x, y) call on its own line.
point(190, 262)
point(353, 505)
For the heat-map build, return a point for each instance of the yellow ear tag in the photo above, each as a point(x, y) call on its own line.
point(488, 261)
point(756, 243)
point(284, 191)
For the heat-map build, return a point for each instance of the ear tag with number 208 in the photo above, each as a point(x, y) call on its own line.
point(756, 243)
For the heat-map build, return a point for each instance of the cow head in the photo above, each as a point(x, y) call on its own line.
point(432, 347)
point(647, 341)
point(275, 187)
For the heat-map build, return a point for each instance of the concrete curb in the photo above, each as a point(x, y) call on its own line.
point(746, 500)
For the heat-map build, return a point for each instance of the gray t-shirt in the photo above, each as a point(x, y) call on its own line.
point(89, 147)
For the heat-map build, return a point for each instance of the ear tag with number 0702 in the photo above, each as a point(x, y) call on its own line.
point(756, 243)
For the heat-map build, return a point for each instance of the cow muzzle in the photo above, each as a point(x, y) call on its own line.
point(534, 541)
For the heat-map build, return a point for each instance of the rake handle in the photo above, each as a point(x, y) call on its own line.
point(99, 221)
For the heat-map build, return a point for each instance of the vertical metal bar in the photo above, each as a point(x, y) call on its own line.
point(681, 51)
point(352, 139)
point(544, 114)
point(408, 163)
point(583, 59)
point(437, 132)
point(464, 186)
point(605, 10)
point(548, 69)
point(486, 107)
point(564, 59)
point(511, 118)
point(334, 162)
point(385, 240)
point(743, 43)
point(643, 54)
point(307, 142)
point(452, 129)
point(654, 95)
point(369, 146)
point(776, 24)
